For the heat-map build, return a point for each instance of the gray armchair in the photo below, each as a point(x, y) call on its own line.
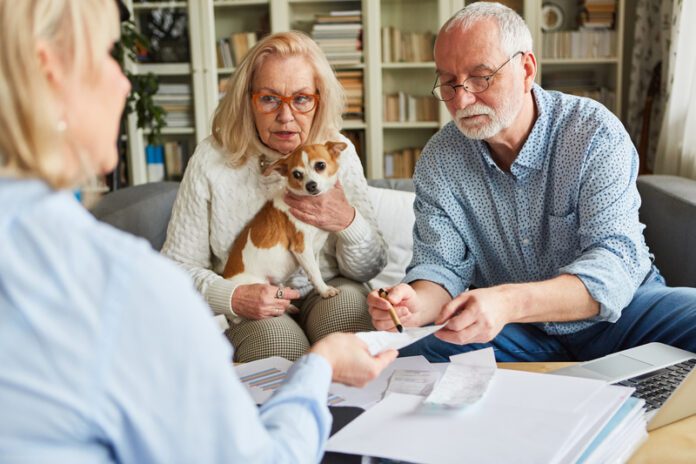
point(143, 210)
point(668, 211)
point(669, 214)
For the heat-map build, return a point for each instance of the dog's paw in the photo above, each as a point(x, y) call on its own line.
point(329, 292)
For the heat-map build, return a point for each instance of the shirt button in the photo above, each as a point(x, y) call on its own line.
point(525, 241)
point(236, 320)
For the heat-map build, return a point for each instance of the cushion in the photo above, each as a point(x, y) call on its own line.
point(395, 218)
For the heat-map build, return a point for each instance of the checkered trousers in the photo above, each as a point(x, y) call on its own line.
point(290, 336)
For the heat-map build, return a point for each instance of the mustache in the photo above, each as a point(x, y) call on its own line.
point(474, 110)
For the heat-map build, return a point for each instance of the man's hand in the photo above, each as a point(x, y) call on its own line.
point(350, 360)
point(476, 316)
point(329, 211)
point(258, 301)
point(403, 297)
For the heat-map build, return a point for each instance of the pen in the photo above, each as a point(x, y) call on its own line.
point(392, 312)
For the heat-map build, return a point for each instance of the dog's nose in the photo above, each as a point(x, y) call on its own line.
point(311, 186)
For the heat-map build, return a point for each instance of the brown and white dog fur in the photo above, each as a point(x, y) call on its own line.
point(273, 244)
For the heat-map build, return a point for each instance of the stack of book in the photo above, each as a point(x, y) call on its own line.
point(176, 100)
point(352, 82)
point(231, 50)
point(399, 164)
point(166, 161)
point(583, 43)
point(408, 47)
point(402, 107)
point(339, 35)
point(598, 14)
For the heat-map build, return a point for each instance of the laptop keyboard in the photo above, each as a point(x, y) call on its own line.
point(655, 387)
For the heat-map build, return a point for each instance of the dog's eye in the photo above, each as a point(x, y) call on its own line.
point(320, 166)
point(297, 175)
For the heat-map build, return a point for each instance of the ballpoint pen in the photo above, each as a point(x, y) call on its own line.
point(392, 312)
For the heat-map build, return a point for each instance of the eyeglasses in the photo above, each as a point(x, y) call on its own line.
point(473, 84)
point(270, 102)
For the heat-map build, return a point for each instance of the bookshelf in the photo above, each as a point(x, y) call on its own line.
point(584, 55)
point(380, 76)
point(176, 62)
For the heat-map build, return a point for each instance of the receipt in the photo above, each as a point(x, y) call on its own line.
point(412, 382)
point(464, 383)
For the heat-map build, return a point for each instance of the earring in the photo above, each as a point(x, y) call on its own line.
point(61, 126)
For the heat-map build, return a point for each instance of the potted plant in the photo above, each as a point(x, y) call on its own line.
point(150, 116)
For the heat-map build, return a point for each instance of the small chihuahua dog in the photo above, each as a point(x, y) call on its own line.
point(273, 244)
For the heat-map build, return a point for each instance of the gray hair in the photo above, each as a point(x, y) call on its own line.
point(514, 32)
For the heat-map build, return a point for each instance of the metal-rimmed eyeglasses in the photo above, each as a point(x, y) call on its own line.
point(473, 84)
point(267, 102)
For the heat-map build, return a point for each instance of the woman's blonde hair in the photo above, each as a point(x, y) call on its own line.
point(32, 143)
point(233, 124)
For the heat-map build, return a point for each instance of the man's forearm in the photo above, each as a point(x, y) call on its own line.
point(563, 298)
point(431, 298)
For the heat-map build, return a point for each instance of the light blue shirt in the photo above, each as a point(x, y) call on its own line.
point(108, 354)
point(569, 205)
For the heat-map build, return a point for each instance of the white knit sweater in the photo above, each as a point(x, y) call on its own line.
point(215, 201)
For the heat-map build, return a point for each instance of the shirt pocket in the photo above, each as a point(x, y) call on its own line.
point(563, 238)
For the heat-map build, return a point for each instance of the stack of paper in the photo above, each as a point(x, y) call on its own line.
point(469, 410)
point(522, 417)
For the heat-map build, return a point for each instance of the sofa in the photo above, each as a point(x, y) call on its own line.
point(668, 210)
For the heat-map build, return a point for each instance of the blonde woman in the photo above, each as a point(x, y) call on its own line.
point(108, 353)
point(284, 94)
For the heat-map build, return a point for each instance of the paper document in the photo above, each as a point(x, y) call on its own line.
point(523, 417)
point(396, 428)
point(381, 340)
point(263, 377)
point(413, 382)
point(374, 391)
point(480, 358)
point(463, 383)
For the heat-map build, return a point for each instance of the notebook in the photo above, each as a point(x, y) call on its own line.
point(662, 375)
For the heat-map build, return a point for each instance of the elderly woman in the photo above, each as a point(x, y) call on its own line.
point(82, 304)
point(284, 94)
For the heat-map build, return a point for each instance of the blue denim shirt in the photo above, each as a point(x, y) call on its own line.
point(569, 205)
point(108, 354)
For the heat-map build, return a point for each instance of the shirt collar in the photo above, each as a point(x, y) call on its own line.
point(531, 156)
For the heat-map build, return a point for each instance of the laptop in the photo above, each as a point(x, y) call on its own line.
point(664, 376)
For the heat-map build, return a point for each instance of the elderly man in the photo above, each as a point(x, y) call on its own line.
point(527, 236)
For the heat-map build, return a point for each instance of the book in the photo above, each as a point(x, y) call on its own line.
point(154, 157)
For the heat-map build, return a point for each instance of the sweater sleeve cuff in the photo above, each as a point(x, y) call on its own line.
point(219, 297)
point(356, 232)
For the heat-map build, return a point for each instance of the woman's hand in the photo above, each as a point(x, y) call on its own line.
point(329, 211)
point(352, 364)
point(259, 301)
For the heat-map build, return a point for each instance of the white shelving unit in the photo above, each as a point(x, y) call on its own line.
point(607, 72)
point(210, 20)
point(189, 72)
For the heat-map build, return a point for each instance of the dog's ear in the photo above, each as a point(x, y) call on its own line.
point(279, 166)
point(335, 148)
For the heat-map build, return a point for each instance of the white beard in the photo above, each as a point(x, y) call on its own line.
point(496, 121)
